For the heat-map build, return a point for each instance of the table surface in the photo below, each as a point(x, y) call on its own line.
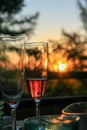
point(20, 123)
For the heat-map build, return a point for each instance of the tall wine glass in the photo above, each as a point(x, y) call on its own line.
point(11, 72)
point(36, 70)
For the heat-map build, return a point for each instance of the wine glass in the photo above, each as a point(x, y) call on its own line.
point(36, 70)
point(11, 73)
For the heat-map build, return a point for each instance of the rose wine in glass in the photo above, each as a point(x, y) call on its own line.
point(36, 70)
point(37, 87)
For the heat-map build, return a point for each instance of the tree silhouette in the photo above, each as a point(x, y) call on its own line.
point(73, 47)
point(11, 23)
point(75, 43)
point(83, 12)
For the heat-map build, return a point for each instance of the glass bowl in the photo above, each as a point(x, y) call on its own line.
point(78, 108)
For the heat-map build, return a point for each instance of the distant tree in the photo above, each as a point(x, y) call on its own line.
point(75, 48)
point(11, 23)
point(72, 47)
point(76, 42)
point(82, 4)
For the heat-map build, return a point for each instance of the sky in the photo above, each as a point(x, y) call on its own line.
point(54, 16)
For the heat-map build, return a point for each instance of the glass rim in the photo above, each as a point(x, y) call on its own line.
point(35, 43)
point(11, 38)
point(51, 117)
point(67, 110)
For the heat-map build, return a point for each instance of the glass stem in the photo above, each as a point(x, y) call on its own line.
point(13, 115)
point(37, 109)
point(37, 102)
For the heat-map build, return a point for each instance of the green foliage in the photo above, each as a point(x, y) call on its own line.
point(10, 24)
point(11, 7)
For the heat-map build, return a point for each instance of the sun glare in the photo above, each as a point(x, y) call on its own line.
point(62, 66)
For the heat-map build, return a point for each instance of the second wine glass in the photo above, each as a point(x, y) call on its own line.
point(11, 72)
point(36, 70)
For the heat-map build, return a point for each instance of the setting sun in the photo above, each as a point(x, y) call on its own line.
point(62, 66)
